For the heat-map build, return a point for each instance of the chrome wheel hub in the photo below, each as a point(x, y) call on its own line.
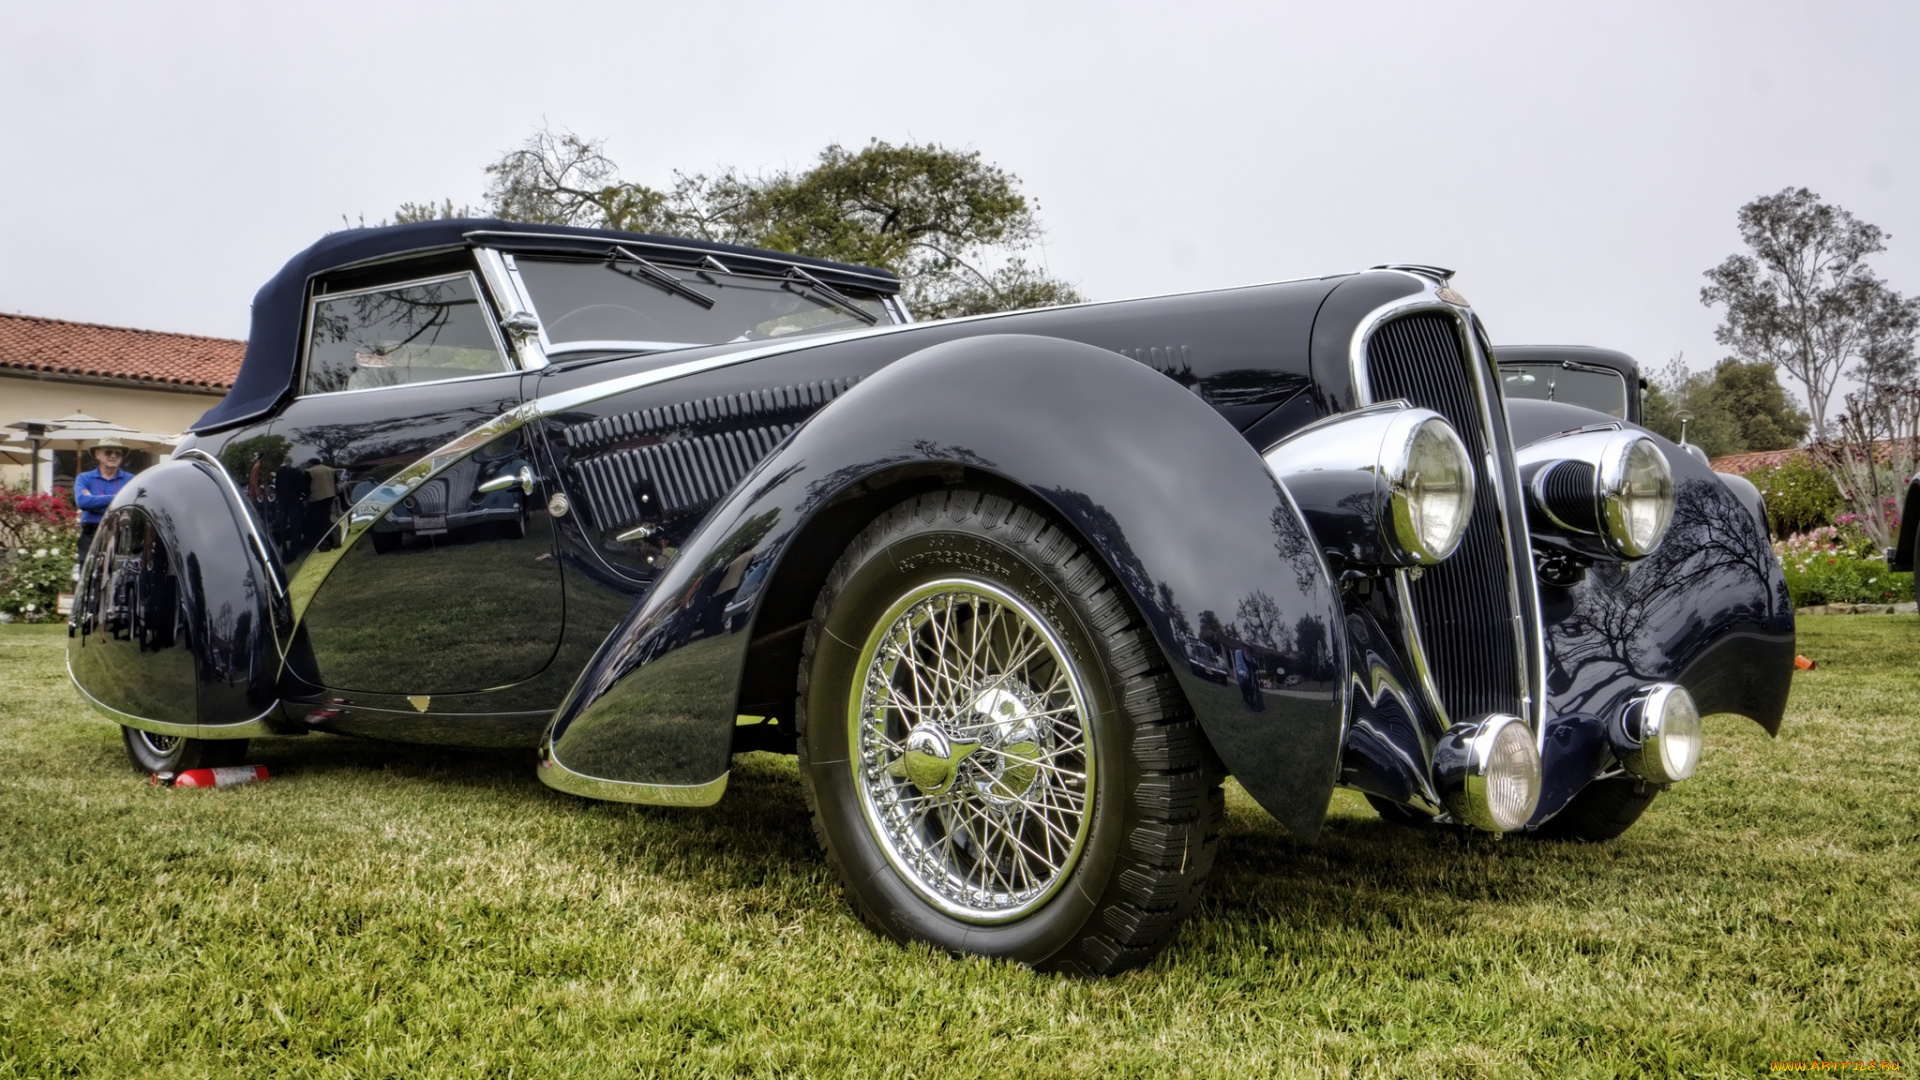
point(972, 750)
point(160, 744)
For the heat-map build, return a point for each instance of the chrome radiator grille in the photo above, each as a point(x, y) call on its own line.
point(1463, 606)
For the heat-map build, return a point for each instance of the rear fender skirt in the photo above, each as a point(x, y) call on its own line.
point(1708, 609)
point(1181, 509)
point(174, 620)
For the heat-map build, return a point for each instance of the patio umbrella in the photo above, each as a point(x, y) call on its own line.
point(79, 431)
point(24, 448)
point(15, 451)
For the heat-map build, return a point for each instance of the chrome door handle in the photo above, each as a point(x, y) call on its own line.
point(506, 480)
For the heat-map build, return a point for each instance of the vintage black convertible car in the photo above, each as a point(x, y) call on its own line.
point(1019, 590)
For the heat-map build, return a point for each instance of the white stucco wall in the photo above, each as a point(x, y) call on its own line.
point(164, 412)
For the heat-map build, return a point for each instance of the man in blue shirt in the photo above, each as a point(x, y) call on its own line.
point(93, 490)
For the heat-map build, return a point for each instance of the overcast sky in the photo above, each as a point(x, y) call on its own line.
point(1579, 165)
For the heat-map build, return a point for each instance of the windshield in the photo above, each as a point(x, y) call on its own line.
point(1593, 388)
point(602, 303)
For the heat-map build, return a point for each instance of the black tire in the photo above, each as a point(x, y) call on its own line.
point(152, 753)
point(1602, 811)
point(1152, 824)
point(384, 542)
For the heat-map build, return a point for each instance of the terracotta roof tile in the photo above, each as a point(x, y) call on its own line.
point(1742, 464)
point(59, 347)
point(1759, 459)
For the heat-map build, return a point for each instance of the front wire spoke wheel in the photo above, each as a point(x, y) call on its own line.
point(973, 754)
point(997, 759)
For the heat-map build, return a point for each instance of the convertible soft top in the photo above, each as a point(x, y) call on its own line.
point(273, 343)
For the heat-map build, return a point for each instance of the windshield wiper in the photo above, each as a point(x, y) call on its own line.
point(653, 275)
point(828, 294)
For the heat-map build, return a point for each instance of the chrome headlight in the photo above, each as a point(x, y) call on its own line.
point(1660, 734)
point(1636, 496)
point(1388, 485)
point(1432, 491)
point(1488, 773)
point(1611, 484)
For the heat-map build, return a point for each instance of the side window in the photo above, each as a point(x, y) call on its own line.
point(419, 331)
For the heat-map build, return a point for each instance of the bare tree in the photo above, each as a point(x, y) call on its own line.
point(1804, 299)
point(1872, 450)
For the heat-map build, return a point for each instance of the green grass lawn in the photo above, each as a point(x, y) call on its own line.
point(392, 911)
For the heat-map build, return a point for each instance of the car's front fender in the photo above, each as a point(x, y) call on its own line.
point(1708, 609)
point(1183, 512)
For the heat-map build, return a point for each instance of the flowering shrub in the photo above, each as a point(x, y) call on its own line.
point(31, 583)
point(29, 520)
point(39, 538)
point(1799, 495)
point(1838, 565)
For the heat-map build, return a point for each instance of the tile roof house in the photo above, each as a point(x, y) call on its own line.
point(1742, 464)
point(144, 379)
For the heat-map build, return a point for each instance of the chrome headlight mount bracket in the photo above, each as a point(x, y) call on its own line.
point(1383, 487)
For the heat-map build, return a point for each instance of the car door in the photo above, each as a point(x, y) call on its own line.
point(455, 589)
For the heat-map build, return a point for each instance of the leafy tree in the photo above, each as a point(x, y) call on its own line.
point(1735, 408)
point(1804, 300)
point(954, 227)
point(1753, 397)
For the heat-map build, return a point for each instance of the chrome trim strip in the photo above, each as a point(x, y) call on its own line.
point(245, 729)
point(610, 345)
point(514, 373)
point(560, 778)
point(1513, 529)
point(361, 515)
point(510, 297)
point(583, 243)
point(1532, 660)
point(1410, 633)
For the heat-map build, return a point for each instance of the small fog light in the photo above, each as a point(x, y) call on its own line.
point(1662, 728)
point(1489, 773)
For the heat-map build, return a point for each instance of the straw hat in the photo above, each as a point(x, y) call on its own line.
point(109, 443)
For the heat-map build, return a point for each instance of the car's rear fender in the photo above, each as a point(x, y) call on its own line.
point(178, 637)
point(1179, 507)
